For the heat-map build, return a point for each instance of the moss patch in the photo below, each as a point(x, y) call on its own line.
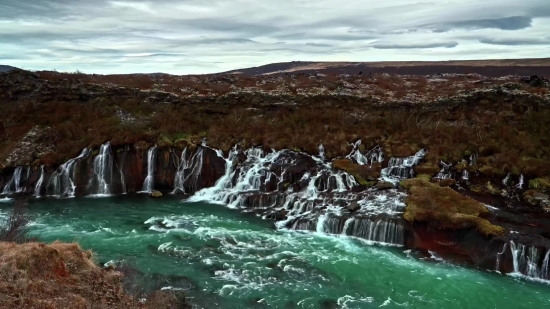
point(542, 184)
point(446, 208)
point(427, 168)
point(363, 174)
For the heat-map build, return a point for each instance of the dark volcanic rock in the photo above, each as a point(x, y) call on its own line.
point(384, 185)
point(354, 206)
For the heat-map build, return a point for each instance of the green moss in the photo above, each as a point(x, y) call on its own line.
point(460, 166)
point(491, 189)
point(181, 136)
point(542, 184)
point(371, 183)
point(445, 208)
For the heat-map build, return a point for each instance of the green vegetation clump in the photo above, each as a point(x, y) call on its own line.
point(445, 208)
point(541, 184)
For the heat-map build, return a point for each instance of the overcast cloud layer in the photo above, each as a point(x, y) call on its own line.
point(206, 36)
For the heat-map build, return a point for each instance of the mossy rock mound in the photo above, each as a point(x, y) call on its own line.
point(363, 174)
point(447, 183)
point(155, 194)
point(445, 208)
point(427, 168)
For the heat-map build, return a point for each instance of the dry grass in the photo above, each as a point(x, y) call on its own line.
point(61, 275)
point(363, 174)
point(446, 208)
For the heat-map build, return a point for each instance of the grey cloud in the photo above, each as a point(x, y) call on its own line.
point(414, 45)
point(514, 42)
point(318, 44)
point(506, 23)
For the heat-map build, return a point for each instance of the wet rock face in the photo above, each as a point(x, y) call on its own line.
point(123, 171)
point(295, 166)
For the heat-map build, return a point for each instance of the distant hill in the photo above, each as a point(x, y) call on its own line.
point(5, 68)
point(493, 68)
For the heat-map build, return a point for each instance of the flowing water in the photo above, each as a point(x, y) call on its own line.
point(227, 259)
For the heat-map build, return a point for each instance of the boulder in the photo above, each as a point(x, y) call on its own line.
point(385, 185)
point(353, 206)
point(537, 199)
point(155, 194)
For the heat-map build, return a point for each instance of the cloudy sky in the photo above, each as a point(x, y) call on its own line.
point(206, 36)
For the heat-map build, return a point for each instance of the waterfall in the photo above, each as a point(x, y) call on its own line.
point(320, 228)
point(302, 192)
point(217, 193)
point(189, 170)
point(402, 168)
point(527, 261)
point(383, 231)
point(322, 151)
point(465, 175)
point(346, 225)
point(520, 183)
point(375, 155)
point(149, 183)
point(506, 179)
point(473, 159)
point(122, 180)
point(445, 172)
point(544, 271)
point(38, 186)
point(103, 171)
point(62, 180)
point(14, 185)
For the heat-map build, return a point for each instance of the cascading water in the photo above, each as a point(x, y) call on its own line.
point(520, 183)
point(445, 172)
point(103, 171)
point(473, 159)
point(61, 183)
point(149, 183)
point(189, 170)
point(375, 155)
point(402, 168)
point(14, 185)
point(527, 261)
point(465, 175)
point(38, 187)
point(313, 200)
point(322, 151)
point(506, 179)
